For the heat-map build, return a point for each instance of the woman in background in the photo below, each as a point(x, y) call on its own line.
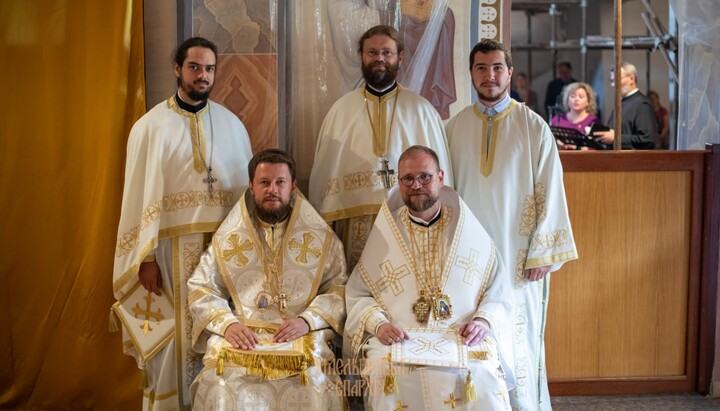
point(578, 102)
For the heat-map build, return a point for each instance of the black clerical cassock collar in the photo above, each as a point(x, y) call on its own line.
point(188, 107)
point(379, 93)
point(419, 221)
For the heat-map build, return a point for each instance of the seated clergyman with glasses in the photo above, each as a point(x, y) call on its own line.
point(426, 303)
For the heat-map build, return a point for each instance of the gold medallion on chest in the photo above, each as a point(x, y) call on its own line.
point(442, 308)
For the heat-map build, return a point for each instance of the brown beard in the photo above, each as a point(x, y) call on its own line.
point(497, 98)
point(418, 204)
point(273, 215)
point(380, 80)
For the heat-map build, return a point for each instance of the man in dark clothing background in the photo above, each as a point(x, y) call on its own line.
point(639, 126)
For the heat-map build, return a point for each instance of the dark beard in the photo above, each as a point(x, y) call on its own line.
point(192, 93)
point(273, 215)
point(198, 95)
point(380, 80)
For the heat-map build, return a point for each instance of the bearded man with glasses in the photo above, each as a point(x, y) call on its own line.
point(427, 302)
point(363, 134)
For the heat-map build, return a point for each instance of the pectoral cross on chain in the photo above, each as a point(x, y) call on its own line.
point(209, 181)
point(386, 173)
point(283, 299)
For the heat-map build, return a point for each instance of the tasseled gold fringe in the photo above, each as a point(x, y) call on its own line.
point(291, 362)
point(470, 394)
point(271, 366)
point(143, 379)
point(303, 374)
point(220, 366)
point(390, 387)
point(112, 322)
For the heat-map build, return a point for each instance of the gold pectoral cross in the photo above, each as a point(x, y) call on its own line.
point(386, 172)
point(421, 308)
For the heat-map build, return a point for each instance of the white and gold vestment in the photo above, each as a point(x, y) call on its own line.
point(168, 215)
point(513, 183)
point(358, 133)
point(241, 280)
point(431, 369)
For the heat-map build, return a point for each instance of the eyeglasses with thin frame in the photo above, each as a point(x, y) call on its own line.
point(376, 53)
point(423, 178)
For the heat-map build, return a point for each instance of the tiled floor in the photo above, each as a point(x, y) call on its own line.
point(668, 402)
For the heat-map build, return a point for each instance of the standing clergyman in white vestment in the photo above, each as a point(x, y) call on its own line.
point(428, 302)
point(508, 170)
point(363, 135)
point(266, 298)
point(182, 176)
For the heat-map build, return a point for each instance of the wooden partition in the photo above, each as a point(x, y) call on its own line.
point(625, 317)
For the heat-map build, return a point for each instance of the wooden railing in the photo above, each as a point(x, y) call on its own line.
point(636, 313)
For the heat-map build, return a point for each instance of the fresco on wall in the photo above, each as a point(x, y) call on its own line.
point(245, 32)
point(489, 19)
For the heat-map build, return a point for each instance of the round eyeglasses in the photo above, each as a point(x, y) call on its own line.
point(377, 53)
point(422, 178)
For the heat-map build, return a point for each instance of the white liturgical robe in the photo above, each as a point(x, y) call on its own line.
point(512, 181)
point(168, 214)
point(431, 369)
point(235, 283)
point(358, 133)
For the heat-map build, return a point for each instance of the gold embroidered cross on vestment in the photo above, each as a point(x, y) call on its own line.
point(148, 313)
point(304, 248)
point(452, 401)
point(236, 250)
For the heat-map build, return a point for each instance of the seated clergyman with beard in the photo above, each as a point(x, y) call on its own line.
point(427, 302)
point(266, 298)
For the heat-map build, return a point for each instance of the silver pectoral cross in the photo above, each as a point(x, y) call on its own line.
point(386, 172)
point(282, 303)
point(209, 181)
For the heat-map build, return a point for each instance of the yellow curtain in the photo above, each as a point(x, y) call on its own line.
point(72, 85)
